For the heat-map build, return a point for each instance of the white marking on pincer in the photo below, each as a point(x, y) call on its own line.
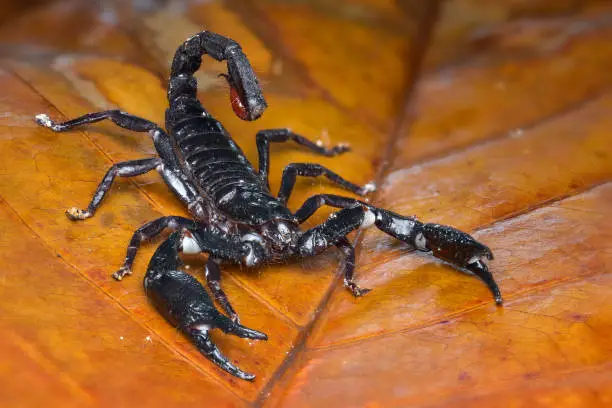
point(190, 245)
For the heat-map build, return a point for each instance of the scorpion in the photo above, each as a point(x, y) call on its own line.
point(234, 216)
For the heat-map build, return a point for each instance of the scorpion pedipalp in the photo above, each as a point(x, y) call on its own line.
point(461, 249)
point(444, 242)
point(185, 303)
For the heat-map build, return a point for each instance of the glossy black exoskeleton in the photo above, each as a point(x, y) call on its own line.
point(235, 217)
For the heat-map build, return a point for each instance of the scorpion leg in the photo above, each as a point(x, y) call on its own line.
point(444, 242)
point(167, 164)
point(186, 304)
point(315, 202)
point(264, 137)
point(149, 230)
point(122, 119)
point(349, 267)
point(314, 170)
point(124, 169)
point(333, 232)
point(213, 279)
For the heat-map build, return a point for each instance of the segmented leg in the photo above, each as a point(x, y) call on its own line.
point(348, 267)
point(122, 119)
point(185, 303)
point(150, 230)
point(213, 279)
point(444, 242)
point(124, 169)
point(264, 137)
point(314, 170)
point(125, 120)
point(313, 203)
point(167, 164)
point(333, 232)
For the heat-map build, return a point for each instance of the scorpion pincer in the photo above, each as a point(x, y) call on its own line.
point(235, 218)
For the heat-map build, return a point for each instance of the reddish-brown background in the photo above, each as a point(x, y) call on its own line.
point(490, 115)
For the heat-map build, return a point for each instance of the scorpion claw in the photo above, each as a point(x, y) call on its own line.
point(200, 337)
point(462, 250)
point(182, 299)
point(203, 342)
point(242, 331)
point(480, 269)
point(76, 214)
point(446, 243)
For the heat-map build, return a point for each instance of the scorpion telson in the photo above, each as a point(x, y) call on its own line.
point(234, 216)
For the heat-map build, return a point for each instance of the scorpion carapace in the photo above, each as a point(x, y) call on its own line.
point(234, 216)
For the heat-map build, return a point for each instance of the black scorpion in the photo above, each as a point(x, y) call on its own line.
point(235, 217)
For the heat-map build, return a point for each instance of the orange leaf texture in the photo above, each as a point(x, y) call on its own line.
point(491, 116)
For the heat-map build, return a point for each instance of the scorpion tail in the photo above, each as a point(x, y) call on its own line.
point(245, 93)
point(186, 304)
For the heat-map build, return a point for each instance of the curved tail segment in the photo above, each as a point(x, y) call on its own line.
point(245, 93)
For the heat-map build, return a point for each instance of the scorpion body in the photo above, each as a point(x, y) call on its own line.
point(234, 216)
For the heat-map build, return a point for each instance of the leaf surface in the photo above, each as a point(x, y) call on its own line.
point(489, 116)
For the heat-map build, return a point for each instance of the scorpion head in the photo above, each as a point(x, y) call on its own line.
point(280, 235)
point(246, 96)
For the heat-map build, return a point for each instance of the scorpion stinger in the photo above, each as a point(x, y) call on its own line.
point(234, 217)
point(245, 93)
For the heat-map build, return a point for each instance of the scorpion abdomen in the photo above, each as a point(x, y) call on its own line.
point(224, 174)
